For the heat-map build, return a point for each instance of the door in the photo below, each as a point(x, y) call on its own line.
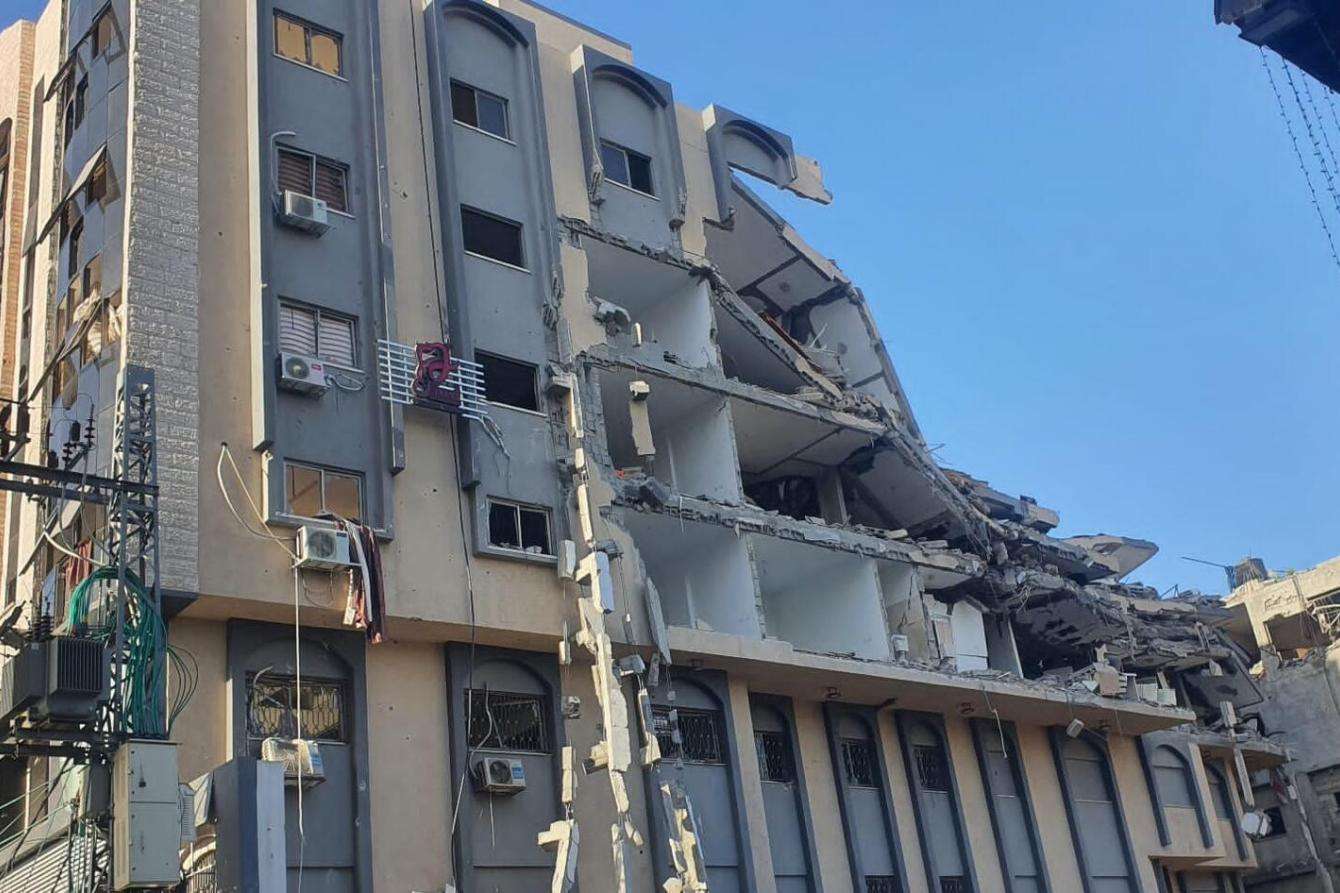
point(700, 761)
point(504, 731)
point(931, 775)
point(783, 798)
point(1009, 809)
point(315, 701)
point(1095, 817)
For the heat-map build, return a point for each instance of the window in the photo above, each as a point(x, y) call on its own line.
point(700, 735)
point(860, 762)
point(1172, 777)
point(514, 526)
point(931, 768)
point(504, 721)
point(626, 167)
point(953, 884)
point(72, 259)
point(476, 108)
point(308, 44)
point(274, 706)
point(310, 490)
point(1277, 828)
point(96, 190)
point(308, 174)
point(492, 237)
point(775, 762)
point(103, 31)
point(80, 100)
point(881, 883)
point(317, 333)
point(508, 382)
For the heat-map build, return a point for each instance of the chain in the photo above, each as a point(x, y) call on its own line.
point(1298, 154)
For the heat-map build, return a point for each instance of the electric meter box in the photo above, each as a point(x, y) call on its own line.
point(146, 816)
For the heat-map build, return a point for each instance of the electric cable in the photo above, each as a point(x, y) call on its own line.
point(264, 533)
point(1298, 154)
point(455, 456)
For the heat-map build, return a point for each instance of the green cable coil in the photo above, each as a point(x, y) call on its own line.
point(144, 682)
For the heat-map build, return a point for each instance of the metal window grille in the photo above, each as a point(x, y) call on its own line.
point(506, 721)
point(294, 172)
point(273, 702)
point(774, 756)
point(859, 763)
point(297, 330)
point(700, 735)
point(931, 767)
point(954, 884)
point(330, 185)
point(881, 883)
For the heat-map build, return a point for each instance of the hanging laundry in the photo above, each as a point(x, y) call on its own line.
point(365, 606)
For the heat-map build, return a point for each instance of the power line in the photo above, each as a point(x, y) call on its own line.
point(1298, 154)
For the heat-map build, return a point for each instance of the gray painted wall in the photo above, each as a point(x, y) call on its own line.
point(491, 306)
point(345, 270)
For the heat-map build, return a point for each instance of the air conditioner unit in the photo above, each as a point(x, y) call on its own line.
point(901, 647)
point(304, 212)
point(57, 681)
point(303, 375)
point(499, 775)
point(302, 760)
point(1166, 697)
point(324, 548)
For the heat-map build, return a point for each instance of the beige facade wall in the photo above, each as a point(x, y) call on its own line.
point(436, 593)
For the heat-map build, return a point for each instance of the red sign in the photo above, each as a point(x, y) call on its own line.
point(435, 384)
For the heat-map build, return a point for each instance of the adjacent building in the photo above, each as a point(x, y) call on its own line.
point(1287, 622)
point(681, 600)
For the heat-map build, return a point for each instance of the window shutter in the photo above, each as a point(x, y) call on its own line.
point(337, 341)
point(330, 186)
point(297, 330)
point(295, 172)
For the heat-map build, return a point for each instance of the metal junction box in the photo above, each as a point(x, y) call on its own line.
point(146, 816)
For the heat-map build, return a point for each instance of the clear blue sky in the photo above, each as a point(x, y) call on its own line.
point(1085, 240)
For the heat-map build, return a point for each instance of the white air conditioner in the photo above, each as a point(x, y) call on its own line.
point(324, 548)
point(305, 213)
point(499, 775)
point(301, 759)
point(303, 375)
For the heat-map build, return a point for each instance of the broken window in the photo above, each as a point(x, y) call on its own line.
point(496, 238)
point(1276, 817)
point(275, 702)
point(479, 109)
point(313, 332)
point(509, 382)
point(308, 44)
point(102, 33)
point(775, 761)
point(506, 721)
point(519, 527)
point(931, 767)
point(626, 167)
point(860, 763)
point(72, 259)
point(311, 490)
point(308, 174)
point(700, 735)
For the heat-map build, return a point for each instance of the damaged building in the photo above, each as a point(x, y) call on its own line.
point(1286, 622)
point(538, 509)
